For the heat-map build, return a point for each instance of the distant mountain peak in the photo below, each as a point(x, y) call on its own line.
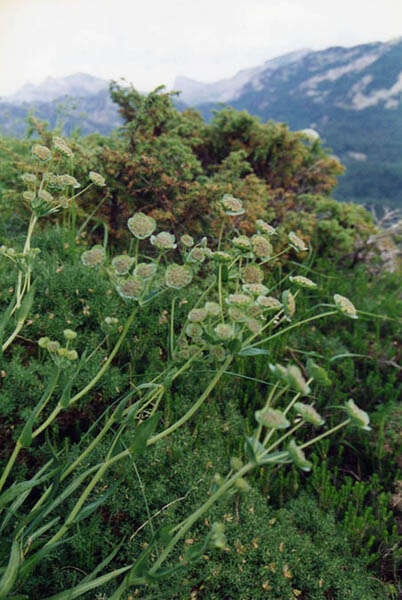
point(197, 92)
point(52, 88)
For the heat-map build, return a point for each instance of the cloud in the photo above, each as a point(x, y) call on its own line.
point(151, 41)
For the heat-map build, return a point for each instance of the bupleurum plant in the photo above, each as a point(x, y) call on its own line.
point(238, 312)
point(47, 193)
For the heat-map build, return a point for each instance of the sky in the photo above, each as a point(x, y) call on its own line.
point(150, 42)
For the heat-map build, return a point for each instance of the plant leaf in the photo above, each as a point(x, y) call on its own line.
point(252, 352)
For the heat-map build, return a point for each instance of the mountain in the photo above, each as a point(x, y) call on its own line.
point(226, 90)
point(351, 96)
point(52, 88)
point(77, 101)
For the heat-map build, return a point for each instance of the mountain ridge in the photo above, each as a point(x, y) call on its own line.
point(351, 96)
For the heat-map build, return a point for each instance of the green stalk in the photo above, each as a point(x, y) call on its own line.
point(95, 379)
point(186, 417)
point(18, 446)
point(172, 329)
point(271, 337)
point(220, 234)
point(80, 502)
point(280, 440)
point(137, 245)
point(267, 403)
point(220, 291)
point(10, 464)
point(194, 407)
point(82, 191)
point(325, 434)
point(296, 397)
point(198, 513)
point(275, 256)
point(19, 294)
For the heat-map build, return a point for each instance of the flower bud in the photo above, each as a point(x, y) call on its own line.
point(358, 416)
point(242, 485)
point(298, 456)
point(271, 418)
point(69, 334)
point(232, 206)
point(296, 243)
point(318, 373)
point(297, 380)
point(309, 414)
point(345, 306)
point(97, 179)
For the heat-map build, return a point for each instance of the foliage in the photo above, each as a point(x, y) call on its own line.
point(102, 393)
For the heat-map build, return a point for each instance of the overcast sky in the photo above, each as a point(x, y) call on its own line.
point(150, 42)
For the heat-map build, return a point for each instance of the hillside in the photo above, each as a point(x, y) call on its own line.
point(351, 96)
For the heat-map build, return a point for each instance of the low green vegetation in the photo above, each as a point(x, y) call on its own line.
point(198, 385)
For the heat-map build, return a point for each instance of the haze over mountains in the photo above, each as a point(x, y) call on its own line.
point(351, 96)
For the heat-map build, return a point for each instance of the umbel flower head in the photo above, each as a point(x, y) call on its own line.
point(358, 416)
point(236, 314)
point(263, 227)
point(194, 330)
point(297, 380)
point(257, 289)
point(94, 257)
point(232, 206)
point(296, 243)
point(197, 315)
point(242, 242)
point(28, 177)
point(69, 334)
point(61, 145)
point(345, 306)
point(309, 414)
point(224, 331)
point(97, 179)
point(268, 303)
point(41, 152)
point(254, 325)
point(213, 308)
point(289, 304)
point(145, 270)
point(238, 300)
point(122, 264)
point(261, 246)
point(164, 241)
point(196, 255)
point(187, 241)
point(252, 274)
point(44, 195)
point(178, 276)
point(298, 457)
point(303, 281)
point(141, 226)
point(130, 288)
point(271, 418)
point(67, 180)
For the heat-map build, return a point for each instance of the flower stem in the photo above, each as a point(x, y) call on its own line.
point(95, 379)
point(194, 407)
point(271, 337)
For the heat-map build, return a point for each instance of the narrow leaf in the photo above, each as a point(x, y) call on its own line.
point(10, 574)
point(252, 352)
point(142, 433)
